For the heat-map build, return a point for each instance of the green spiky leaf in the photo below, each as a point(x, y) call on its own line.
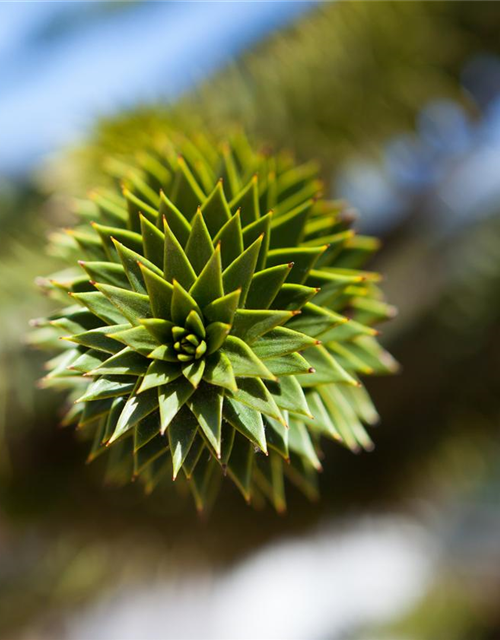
point(229, 325)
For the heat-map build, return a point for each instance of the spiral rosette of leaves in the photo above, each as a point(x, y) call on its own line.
point(218, 321)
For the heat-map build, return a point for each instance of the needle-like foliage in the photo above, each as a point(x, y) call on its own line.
point(218, 321)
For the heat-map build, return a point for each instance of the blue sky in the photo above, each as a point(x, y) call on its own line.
point(64, 63)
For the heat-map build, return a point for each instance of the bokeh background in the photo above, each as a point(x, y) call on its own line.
point(400, 103)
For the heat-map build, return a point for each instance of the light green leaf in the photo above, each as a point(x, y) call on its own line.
point(208, 285)
point(253, 393)
point(137, 338)
point(181, 435)
point(347, 331)
point(206, 404)
point(131, 263)
point(303, 258)
point(230, 239)
point(289, 396)
point(246, 420)
point(288, 365)
point(133, 306)
point(160, 329)
point(218, 371)
point(199, 246)
point(160, 373)
point(258, 228)
point(193, 371)
point(238, 274)
point(288, 229)
point(277, 436)
point(88, 361)
point(250, 324)
point(171, 398)
point(100, 306)
point(315, 320)
point(182, 305)
point(194, 454)
point(373, 355)
point(195, 324)
point(136, 408)
point(217, 333)
point(107, 388)
point(299, 441)
point(223, 309)
point(265, 286)
point(125, 363)
point(175, 220)
point(164, 352)
point(216, 210)
point(99, 338)
point(187, 194)
point(248, 201)
point(327, 369)
point(176, 263)
point(106, 272)
point(293, 296)
point(128, 238)
point(154, 241)
point(281, 341)
point(243, 359)
point(160, 293)
point(136, 205)
point(322, 422)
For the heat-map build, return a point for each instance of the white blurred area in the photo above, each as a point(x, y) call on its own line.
point(336, 583)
